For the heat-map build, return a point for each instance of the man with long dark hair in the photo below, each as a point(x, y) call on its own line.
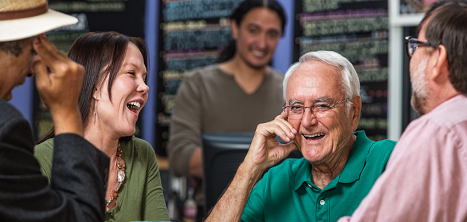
point(233, 96)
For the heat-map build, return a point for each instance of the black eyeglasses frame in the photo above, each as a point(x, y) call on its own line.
point(412, 44)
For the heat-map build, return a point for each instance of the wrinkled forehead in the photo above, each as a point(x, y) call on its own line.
point(313, 80)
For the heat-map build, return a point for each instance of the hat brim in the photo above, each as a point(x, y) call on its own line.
point(17, 29)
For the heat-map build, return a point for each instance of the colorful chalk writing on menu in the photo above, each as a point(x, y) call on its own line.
point(191, 34)
point(358, 30)
point(414, 6)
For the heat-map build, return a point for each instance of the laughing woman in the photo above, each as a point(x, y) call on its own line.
point(113, 94)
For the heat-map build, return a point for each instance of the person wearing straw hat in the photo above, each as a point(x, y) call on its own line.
point(77, 188)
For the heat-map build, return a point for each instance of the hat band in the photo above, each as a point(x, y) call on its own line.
point(26, 13)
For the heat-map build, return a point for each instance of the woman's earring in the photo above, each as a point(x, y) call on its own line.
point(95, 108)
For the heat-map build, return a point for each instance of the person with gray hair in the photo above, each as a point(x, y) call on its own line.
point(339, 164)
point(351, 85)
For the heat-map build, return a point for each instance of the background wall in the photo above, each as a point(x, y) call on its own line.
point(399, 111)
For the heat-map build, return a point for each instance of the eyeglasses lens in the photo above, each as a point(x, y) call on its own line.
point(411, 48)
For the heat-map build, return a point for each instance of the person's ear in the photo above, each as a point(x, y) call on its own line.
point(440, 65)
point(234, 29)
point(355, 111)
point(95, 94)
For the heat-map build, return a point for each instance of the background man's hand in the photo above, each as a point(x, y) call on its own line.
point(265, 150)
point(59, 81)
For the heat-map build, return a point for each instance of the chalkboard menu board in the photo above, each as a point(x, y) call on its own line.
point(358, 30)
point(191, 33)
point(414, 6)
point(123, 16)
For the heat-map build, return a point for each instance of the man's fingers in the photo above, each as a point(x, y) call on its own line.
point(40, 72)
point(281, 120)
point(46, 44)
point(288, 130)
point(47, 51)
point(272, 129)
point(289, 147)
point(284, 114)
point(284, 118)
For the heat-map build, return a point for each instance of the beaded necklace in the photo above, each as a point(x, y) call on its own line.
point(120, 176)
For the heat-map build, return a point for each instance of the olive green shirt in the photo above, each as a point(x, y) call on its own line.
point(287, 193)
point(140, 197)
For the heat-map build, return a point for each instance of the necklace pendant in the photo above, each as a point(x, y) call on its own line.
point(120, 176)
point(120, 163)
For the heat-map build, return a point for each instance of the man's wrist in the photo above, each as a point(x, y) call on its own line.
point(251, 170)
point(67, 122)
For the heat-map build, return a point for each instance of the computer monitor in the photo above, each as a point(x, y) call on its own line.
point(222, 155)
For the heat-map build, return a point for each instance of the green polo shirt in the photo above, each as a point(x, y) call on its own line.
point(287, 193)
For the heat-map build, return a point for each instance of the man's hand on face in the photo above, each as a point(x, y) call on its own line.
point(59, 81)
point(265, 150)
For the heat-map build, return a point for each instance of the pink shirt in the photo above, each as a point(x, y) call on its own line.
point(426, 176)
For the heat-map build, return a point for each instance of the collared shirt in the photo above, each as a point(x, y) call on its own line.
point(287, 193)
point(426, 177)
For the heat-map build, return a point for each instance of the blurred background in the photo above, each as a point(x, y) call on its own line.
point(185, 34)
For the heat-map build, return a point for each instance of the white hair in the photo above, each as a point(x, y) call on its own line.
point(350, 82)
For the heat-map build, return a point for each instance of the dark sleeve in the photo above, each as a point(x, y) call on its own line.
point(77, 190)
point(185, 127)
point(79, 174)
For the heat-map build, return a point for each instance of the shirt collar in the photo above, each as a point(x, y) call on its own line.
point(357, 158)
point(303, 173)
point(352, 169)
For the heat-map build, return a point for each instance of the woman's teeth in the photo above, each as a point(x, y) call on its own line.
point(133, 105)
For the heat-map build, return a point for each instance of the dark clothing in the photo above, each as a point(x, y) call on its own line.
point(77, 188)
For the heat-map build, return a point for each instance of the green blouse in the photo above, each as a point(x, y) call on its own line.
point(140, 197)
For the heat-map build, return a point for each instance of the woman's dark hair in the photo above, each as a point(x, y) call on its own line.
point(229, 51)
point(447, 27)
point(102, 55)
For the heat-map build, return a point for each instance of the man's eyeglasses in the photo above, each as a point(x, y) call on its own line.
point(412, 45)
point(318, 109)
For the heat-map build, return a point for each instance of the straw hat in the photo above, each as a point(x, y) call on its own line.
point(20, 19)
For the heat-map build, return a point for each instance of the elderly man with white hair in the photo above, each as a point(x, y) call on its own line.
point(339, 164)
